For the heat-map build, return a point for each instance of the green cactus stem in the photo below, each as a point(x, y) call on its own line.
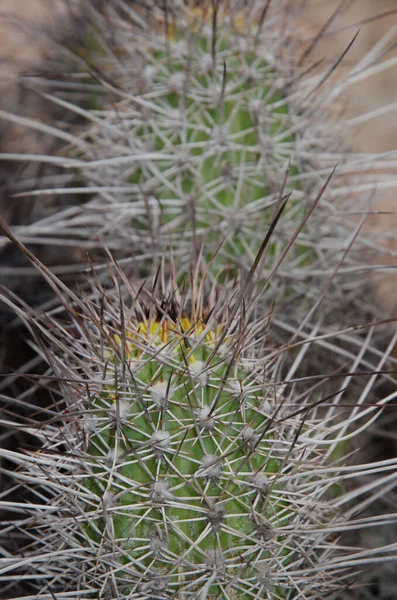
point(183, 466)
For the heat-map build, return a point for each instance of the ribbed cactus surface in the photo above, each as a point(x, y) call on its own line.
point(220, 134)
point(187, 500)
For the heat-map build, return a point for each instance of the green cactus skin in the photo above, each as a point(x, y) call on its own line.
point(183, 468)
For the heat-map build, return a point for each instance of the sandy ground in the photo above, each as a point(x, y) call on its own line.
point(376, 34)
point(28, 29)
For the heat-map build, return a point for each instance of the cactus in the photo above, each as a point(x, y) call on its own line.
point(181, 465)
point(212, 124)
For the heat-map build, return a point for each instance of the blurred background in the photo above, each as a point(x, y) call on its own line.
point(371, 103)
